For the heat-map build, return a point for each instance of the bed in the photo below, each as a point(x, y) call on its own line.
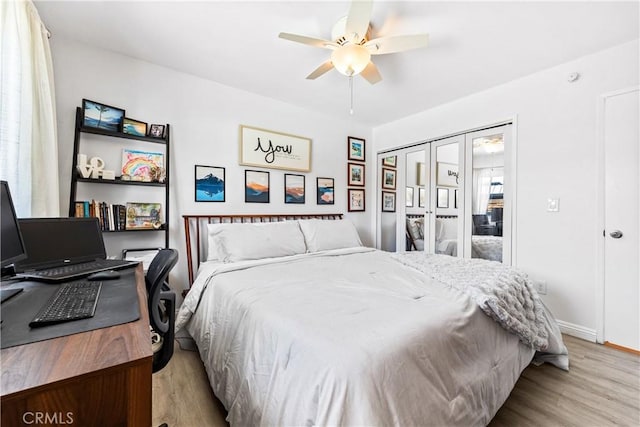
point(305, 326)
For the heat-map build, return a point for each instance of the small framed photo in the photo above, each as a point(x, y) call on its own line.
point(390, 161)
point(356, 174)
point(388, 201)
point(422, 195)
point(156, 131)
point(443, 198)
point(324, 191)
point(256, 186)
point(101, 116)
point(388, 179)
point(293, 188)
point(409, 197)
point(356, 149)
point(355, 200)
point(134, 127)
point(209, 183)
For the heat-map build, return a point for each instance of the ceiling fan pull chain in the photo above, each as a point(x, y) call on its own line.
point(351, 90)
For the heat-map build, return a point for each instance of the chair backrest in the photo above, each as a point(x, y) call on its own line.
point(156, 275)
point(480, 219)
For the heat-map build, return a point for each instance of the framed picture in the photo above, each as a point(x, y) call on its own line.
point(447, 174)
point(356, 174)
point(143, 216)
point(356, 149)
point(443, 198)
point(324, 191)
point(101, 116)
point(422, 195)
point(421, 174)
point(390, 161)
point(455, 198)
point(209, 183)
point(134, 127)
point(156, 131)
point(256, 186)
point(293, 188)
point(388, 201)
point(140, 165)
point(355, 200)
point(274, 150)
point(388, 179)
point(409, 197)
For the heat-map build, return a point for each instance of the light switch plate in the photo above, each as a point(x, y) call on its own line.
point(553, 205)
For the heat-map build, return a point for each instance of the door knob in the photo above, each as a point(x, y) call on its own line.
point(616, 234)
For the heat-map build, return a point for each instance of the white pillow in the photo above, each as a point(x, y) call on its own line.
point(244, 241)
point(449, 229)
point(214, 251)
point(321, 235)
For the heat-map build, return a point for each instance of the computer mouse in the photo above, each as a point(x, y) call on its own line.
point(104, 275)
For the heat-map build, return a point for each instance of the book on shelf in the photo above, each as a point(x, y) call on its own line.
point(112, 217)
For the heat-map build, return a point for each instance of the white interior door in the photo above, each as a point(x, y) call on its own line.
point(621, 138)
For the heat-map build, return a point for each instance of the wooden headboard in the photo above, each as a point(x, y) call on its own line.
point(195, 229)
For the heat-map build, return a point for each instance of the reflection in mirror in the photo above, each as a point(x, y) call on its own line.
point(387, 164)
point(415, 174)
point(487, 197)
point(447, 181)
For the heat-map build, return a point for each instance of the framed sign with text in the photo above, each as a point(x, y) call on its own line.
point(274, 150)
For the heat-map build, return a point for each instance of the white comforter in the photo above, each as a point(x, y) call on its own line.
point(347, 337)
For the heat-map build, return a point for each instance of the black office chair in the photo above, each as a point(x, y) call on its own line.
point(162, 305)
point(481, 225)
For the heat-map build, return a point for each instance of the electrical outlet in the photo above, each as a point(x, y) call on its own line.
point(541, 287)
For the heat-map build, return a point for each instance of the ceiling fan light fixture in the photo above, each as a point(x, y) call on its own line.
point(350, 59)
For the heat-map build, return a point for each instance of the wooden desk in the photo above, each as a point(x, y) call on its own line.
point(95, 378)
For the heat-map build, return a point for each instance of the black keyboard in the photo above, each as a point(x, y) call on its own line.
point(72, 301)
point(71, 271)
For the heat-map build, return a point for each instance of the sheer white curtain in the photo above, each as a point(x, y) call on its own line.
point(28, 134)
point(481, 188)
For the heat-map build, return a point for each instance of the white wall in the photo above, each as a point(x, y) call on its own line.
point(556, 157)
point(204, 118)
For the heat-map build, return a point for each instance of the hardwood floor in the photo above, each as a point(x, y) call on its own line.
point(602, 388)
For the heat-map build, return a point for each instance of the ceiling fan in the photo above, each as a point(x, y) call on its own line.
point(352, 46)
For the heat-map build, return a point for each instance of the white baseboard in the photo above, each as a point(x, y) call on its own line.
point(577, 331)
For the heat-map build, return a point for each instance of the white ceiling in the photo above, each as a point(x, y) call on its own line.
point(473, 45)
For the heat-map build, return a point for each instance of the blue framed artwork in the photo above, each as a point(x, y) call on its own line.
point(102, 116)
point(356, 149)
point(134, 127)
point(293, 188)
point(209, 183)
point(256, 186)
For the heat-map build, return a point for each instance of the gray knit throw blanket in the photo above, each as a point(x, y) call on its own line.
point(502, 292)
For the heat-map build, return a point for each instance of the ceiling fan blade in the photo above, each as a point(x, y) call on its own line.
point(311, 41)
point(327, 66)
point(392, 44)
point(358, 20)
point(371, 73)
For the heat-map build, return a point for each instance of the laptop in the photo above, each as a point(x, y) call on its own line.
point(62, 249)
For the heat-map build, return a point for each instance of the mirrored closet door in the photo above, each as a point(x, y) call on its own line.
point(449, 196)
point(488, 234)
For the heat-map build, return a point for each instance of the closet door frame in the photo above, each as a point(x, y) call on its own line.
point(510, 133)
